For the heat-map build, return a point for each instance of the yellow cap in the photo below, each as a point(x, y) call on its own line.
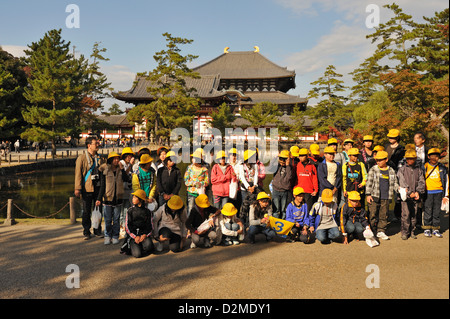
point(298, 191)
point(198, 153)
point(332, 141)
point(303, 152)
point(175, 202)
point(127, 150)
point(171, 154)
point(368, 138)
point(145, 158)
point(349, 140)
point(393, 133)
point(113, 154)
point(262, 195)
point(327, 195)
point(140, 193)
point(354, 195)
point(229, 209)
point(329, 149)
point(232, 151)
point(202, 201)
point(381, 155)
point(294, 150)
point(410, 154)
point(378, 148)
point(248, 154)
point(220, 155)
point(353, 151)
point(284, 154)
point(434, 151)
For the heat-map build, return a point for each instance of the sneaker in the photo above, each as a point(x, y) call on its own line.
point(193, 245)
point(427, 233)
point(87, 237)
point(115, 241)
point(437, 234)
point(382, 235)
point(227, 242)
point(413, 236)
point(107, 241)
point(404, 237)
point(236, 242)
point(207, 243)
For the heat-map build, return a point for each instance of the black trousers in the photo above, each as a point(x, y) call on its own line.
point(89, 200)
point(142, 249)
point(432, 211)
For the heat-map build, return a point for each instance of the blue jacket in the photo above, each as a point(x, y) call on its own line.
point(322, 173)
point(315, 217)
point(297, 214)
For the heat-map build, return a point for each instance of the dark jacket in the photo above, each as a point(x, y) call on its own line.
point(322, 173)
point(356, 214)
point(282, 182)
point(169, 182)
point(195, 218)
point(138, 221)
point(397, 155)
point(411, 178)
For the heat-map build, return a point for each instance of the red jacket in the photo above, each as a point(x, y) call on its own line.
point(221, 182)
point(307, 177)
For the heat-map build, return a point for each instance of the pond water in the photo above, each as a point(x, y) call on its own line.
point(44, 192)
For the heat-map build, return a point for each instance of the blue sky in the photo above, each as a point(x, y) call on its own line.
point(302, 35)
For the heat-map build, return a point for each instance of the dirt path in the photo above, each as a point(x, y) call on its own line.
point(33, 261)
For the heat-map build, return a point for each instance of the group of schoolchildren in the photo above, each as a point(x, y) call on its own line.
point(334, 197)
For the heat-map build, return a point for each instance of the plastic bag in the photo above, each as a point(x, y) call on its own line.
point(96, 217)
point(204, 226)
point(153, 206)
point(370, 238)
point(233, 190)
point(402, 192)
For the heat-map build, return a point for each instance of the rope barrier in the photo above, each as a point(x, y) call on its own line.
point(42, 217)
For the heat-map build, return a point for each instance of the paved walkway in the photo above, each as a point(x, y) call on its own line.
point(33, 261)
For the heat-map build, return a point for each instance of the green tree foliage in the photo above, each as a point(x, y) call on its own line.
point(61, 89)
point(222, 118)
point(262, 114)
point(331, 110)
point(13, 80)
point(174, 105)
point(371, 111)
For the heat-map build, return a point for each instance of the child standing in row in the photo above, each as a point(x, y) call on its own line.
point(436, 179)
point(381, 184)
point(297, 212)
point(410, 177)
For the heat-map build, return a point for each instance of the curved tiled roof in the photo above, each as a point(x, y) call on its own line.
point(206, 87)
point(243, 65)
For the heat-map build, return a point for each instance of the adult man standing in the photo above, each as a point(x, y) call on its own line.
point(87, 183)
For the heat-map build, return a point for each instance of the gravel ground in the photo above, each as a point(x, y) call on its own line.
point(33, 261)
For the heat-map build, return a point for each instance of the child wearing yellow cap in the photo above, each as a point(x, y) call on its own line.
point(353, 217)
point(231, 227)
point(436, 180)
point(411, 179)
point(259, 214)
point(381, 184)
point(297, 212)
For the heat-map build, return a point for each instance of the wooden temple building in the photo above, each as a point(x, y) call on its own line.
point(241, 79)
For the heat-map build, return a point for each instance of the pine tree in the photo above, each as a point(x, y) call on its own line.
point(222, 118)
point(174, 105)
point(262, 114)
point(13, 80)
point(331, 110)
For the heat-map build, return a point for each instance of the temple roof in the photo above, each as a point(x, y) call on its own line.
point(206, 87)
point(243, 65)
point(276, 97)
